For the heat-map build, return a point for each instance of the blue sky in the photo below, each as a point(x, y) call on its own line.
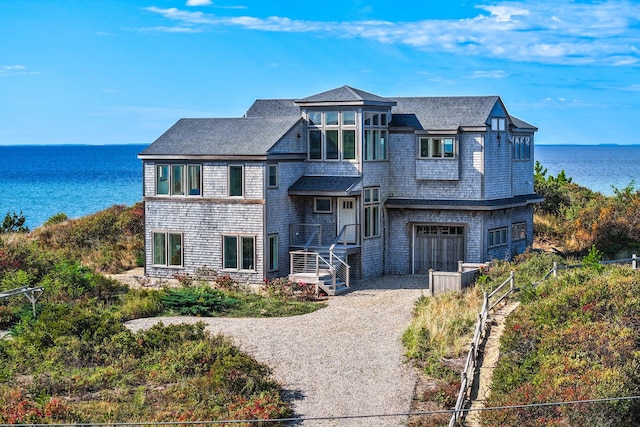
point(114, 72)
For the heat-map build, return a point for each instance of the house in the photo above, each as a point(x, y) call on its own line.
point(340, 185)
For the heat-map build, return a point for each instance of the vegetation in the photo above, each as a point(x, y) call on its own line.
point(573, 338)
point(76, 362)
point(14, 223)
point(437, 342)
point(574, 218)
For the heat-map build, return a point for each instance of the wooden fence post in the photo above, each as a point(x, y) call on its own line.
point(555, 269)
point(634, 262)
point(512, 281)
point(431, 284)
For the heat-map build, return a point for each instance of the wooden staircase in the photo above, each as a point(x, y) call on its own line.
point(326, 269)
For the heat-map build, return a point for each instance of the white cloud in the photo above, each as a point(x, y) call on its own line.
point(15, 70)
point(495, 74)
point(560, 32)
point(198, 2)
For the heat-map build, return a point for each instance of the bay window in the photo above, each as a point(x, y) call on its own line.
point(375, 136)
point(436, 148)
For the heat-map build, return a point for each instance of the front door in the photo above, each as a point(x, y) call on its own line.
point(347, 216)
point(437, 247)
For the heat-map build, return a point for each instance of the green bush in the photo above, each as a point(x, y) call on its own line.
point(198, 301)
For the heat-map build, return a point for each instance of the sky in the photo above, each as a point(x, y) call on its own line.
point(123, 71)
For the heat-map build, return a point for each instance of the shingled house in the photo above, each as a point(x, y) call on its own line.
point(342, 184)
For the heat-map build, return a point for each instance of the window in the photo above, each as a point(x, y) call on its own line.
point(437, 148)
point(322, 205)
point(518, 231)
point(238, 252)
point(167, 249)
point(521, 147)
point(372, 212)
point(273, 176)
point(449, 230)
point(498, 124)
point(332, 135)
point(171, 180)
point(236, 181)
point(375, 136)
point(273, 252)
point(497, 237)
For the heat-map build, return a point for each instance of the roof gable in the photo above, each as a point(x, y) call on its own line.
point(221, 137)
point(447, 112)
point(345, 95)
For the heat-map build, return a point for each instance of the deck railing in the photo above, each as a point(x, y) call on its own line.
point(305, 235)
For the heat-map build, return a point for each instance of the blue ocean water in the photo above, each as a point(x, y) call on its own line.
point(78, 180)
point(598, 167)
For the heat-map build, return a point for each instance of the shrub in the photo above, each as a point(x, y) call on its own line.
point(198, 301)
point(56, 219)
point(14, 223)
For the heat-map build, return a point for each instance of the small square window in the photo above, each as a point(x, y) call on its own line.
point(322, 205)
point(348, 118)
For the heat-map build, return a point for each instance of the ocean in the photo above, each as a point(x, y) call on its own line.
point(42, 180)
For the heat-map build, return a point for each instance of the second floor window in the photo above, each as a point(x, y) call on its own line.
point(521, 147)
point(375, 136)
point(178, 180)
point(332, 135)
point(236, 181)
point(436, 148)
point(273, 176)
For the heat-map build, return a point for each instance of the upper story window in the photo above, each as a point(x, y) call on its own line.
point(178, 180)
point(498, 124)
point(375, 136)
point(497, 237)
point(521, 147)
point(518, 231)
point(332, 135)
point(273, 176)
point(236, 181)
point(372, 212)
point(437, 148)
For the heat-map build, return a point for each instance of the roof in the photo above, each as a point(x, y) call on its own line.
point(445, 112)
point(346, 95)
point(521, 124)
point(273, 108)
point(221, 137)
point(471, 205)
point(325, 186)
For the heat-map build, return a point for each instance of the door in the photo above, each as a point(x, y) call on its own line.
point(347, 216)
point(437, 247)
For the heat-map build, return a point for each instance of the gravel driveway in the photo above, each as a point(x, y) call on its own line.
point(343, 360)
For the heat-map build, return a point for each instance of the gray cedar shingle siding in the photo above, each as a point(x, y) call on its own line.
point(481, 189)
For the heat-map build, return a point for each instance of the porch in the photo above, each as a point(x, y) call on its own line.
point(322, 260)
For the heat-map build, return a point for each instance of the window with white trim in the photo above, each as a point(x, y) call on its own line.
point(437, 148)
point(371, 212)
point(498, 124)
point(521, 147)
point(273, 176)
point(167, 249)
point(375, 135)
point(272, 252)
point(322, 205)
point(497, 237)
point(518, 231)
point(238, 252)
point(178, 180)
point(236, 181)
point(332, 135)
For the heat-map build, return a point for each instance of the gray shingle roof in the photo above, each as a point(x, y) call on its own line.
point(521, 124)
point(273, 108)
point(446, 112)
point(325, 185)
point(346, 94)
point(221, 137)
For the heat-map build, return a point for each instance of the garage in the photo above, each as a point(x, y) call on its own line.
point(437, 247)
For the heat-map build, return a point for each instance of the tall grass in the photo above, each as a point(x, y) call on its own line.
point(441, 326)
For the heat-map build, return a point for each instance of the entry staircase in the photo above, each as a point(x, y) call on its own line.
point(323, 266)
